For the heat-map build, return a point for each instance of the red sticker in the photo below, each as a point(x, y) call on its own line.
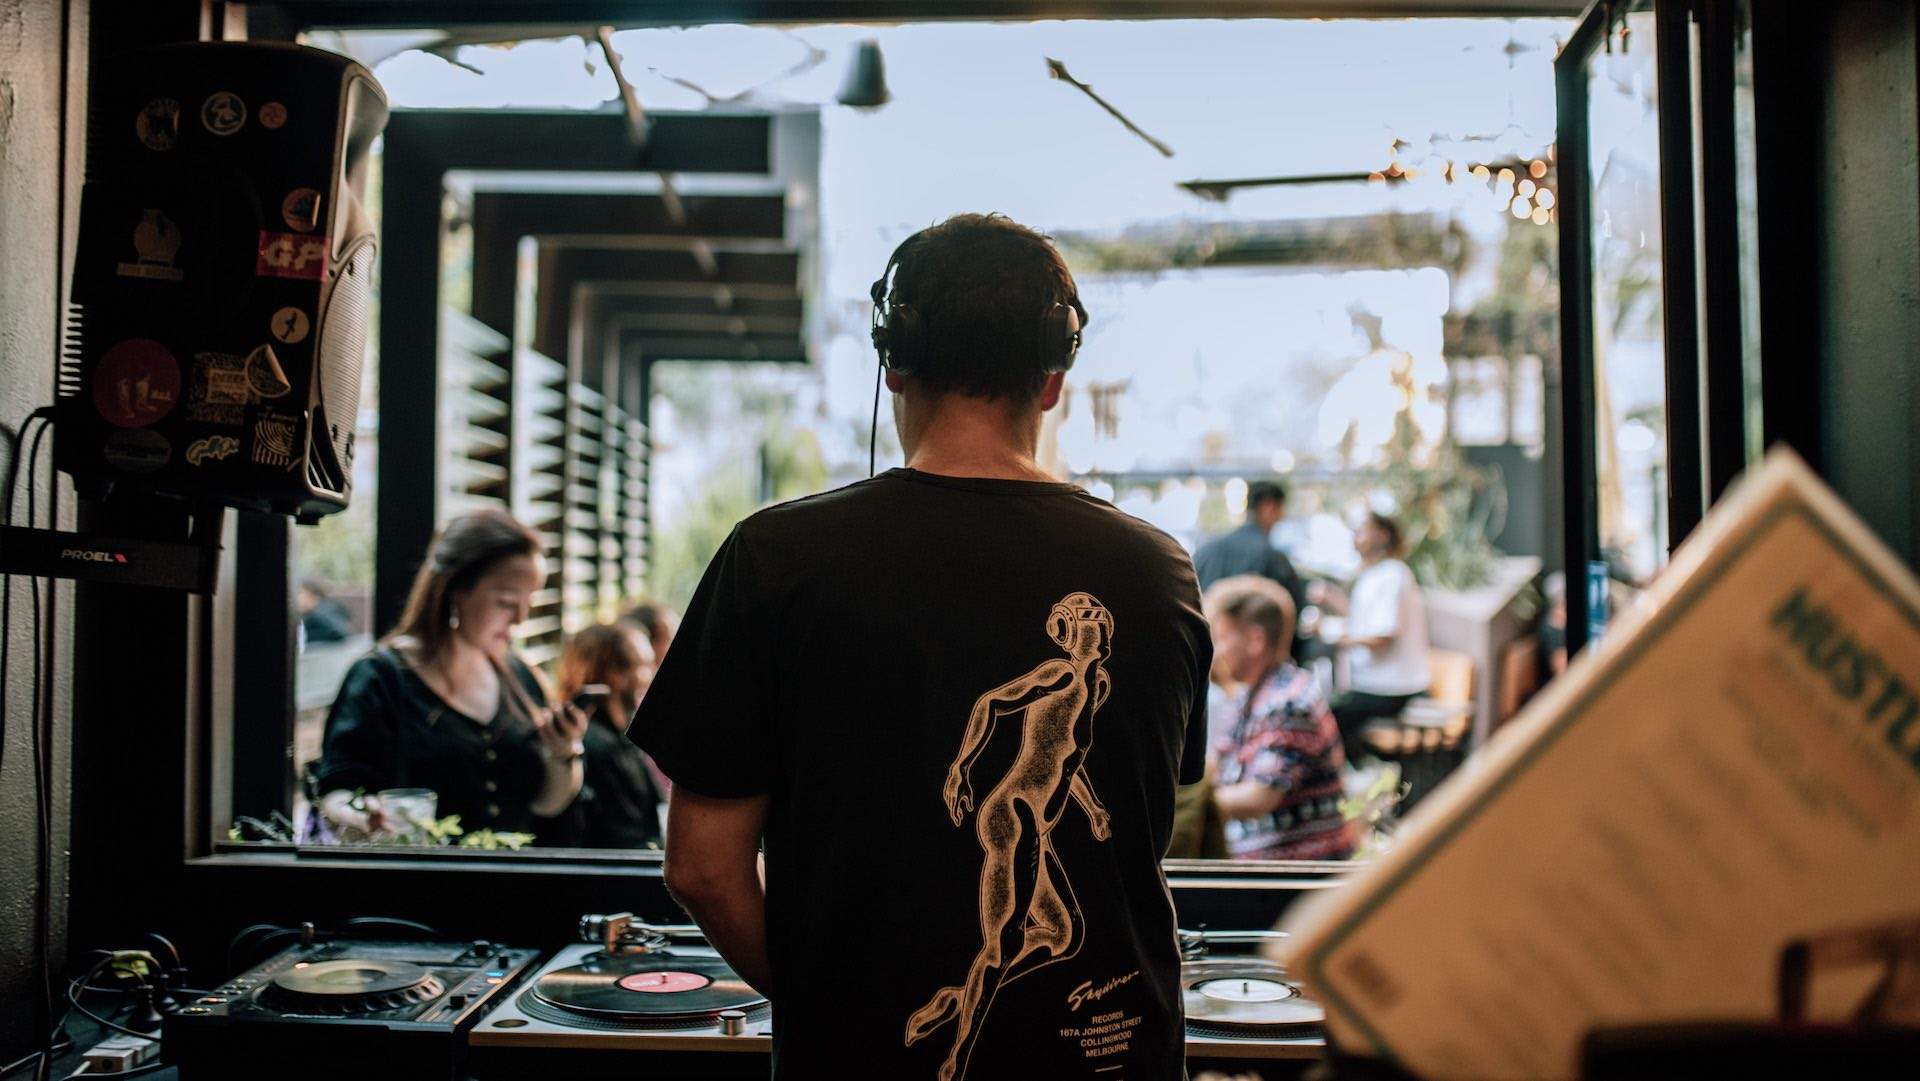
point(665, 982)
point(291, 255)
point(136, 384)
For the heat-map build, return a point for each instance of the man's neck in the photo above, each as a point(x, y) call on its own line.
point(973, 437)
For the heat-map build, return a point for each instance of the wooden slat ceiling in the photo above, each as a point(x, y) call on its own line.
point(596, 219)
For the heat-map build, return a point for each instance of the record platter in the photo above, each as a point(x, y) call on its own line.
point(345, 1008)
point(1244, 1006)
point(667, 989)
point(632, 988)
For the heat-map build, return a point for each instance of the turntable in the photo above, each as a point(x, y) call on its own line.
point(345, 1008)
point(1241, 1007)
point(630, 987)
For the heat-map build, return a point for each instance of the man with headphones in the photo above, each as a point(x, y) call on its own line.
point(953, 702)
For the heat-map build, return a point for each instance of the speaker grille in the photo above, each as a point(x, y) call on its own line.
point(339, 369)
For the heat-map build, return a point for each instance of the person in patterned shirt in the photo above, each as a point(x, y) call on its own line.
point(1279, 763)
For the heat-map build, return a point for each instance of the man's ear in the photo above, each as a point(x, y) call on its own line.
point(1050, 390)
point(895, 382)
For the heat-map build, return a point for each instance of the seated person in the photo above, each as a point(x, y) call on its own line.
point(1279, 766)
point(1553, 625)
point(619, 805)
point(444, 704)
point(1386, 630)
point(322, 619)
point(658, 622)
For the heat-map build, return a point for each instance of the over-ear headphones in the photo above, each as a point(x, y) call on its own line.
point(900, 332)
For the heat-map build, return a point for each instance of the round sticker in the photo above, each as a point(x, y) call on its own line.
point(136, 384)
point(223, 113)
point(273, 115)
point(301, 210)
point(265, 377)
point(158, 124)
point(136, 450)
point(290, 326)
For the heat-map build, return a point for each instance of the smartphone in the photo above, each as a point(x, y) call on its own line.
point(590, 697)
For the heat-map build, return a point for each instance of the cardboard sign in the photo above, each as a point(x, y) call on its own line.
point(1721, 790)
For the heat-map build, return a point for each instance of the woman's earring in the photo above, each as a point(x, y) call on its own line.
point(453, 620)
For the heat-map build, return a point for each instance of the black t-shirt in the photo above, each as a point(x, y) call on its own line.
point(388, 729)
point(838, 654)
point(619, 805)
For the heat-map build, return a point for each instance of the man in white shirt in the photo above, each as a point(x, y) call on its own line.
point(1386, 630)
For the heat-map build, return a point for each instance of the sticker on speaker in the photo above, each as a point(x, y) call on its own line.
point(156, 240)
point(223, 113)
point(265, 377)
point(136, 450)
point(290, 326)
point(273, 115)
point(213, 448)
point(158, 124)
point(301, 210)
point(219, 392)
point(291, 255)
point(136, 383)
point(273, 441)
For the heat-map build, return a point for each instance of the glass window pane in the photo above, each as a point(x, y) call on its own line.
point(1629, 363)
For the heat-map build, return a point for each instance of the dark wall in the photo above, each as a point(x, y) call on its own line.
point(1868, 264)
point(42, 72)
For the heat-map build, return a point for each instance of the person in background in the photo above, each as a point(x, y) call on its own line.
point(1553, 625)
point(1385, 632)
point(1248, 549)
point(322, 619)
point(443, 703)
point(1278, 770)
point(658, 622)
point(619, 804)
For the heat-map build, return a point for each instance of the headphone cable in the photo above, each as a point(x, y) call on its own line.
point(873, 427)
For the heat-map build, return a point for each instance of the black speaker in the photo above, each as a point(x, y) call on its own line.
point(223, 279)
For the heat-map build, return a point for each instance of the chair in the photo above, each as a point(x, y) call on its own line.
point(1425, 739)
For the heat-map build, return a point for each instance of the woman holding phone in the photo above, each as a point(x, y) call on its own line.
point(605, 671)
point(444, 704)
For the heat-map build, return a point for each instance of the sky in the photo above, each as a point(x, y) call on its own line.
point(976, 123)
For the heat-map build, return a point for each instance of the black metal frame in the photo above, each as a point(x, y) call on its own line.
point(1724, 444)
point(364, 14)
point(1788, 105)
point(1581, 513)
point(1679, 280)
point(144, 769)
point(1679, 307)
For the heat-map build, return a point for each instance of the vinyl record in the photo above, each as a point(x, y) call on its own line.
point(647, 987)
point(351, 976)
point(1249, 996)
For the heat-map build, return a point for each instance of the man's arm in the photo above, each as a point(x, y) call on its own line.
point(1376, 641)
point(1249, 799)
point(713, 854)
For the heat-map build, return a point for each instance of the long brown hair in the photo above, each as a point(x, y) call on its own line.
point(465, 549)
